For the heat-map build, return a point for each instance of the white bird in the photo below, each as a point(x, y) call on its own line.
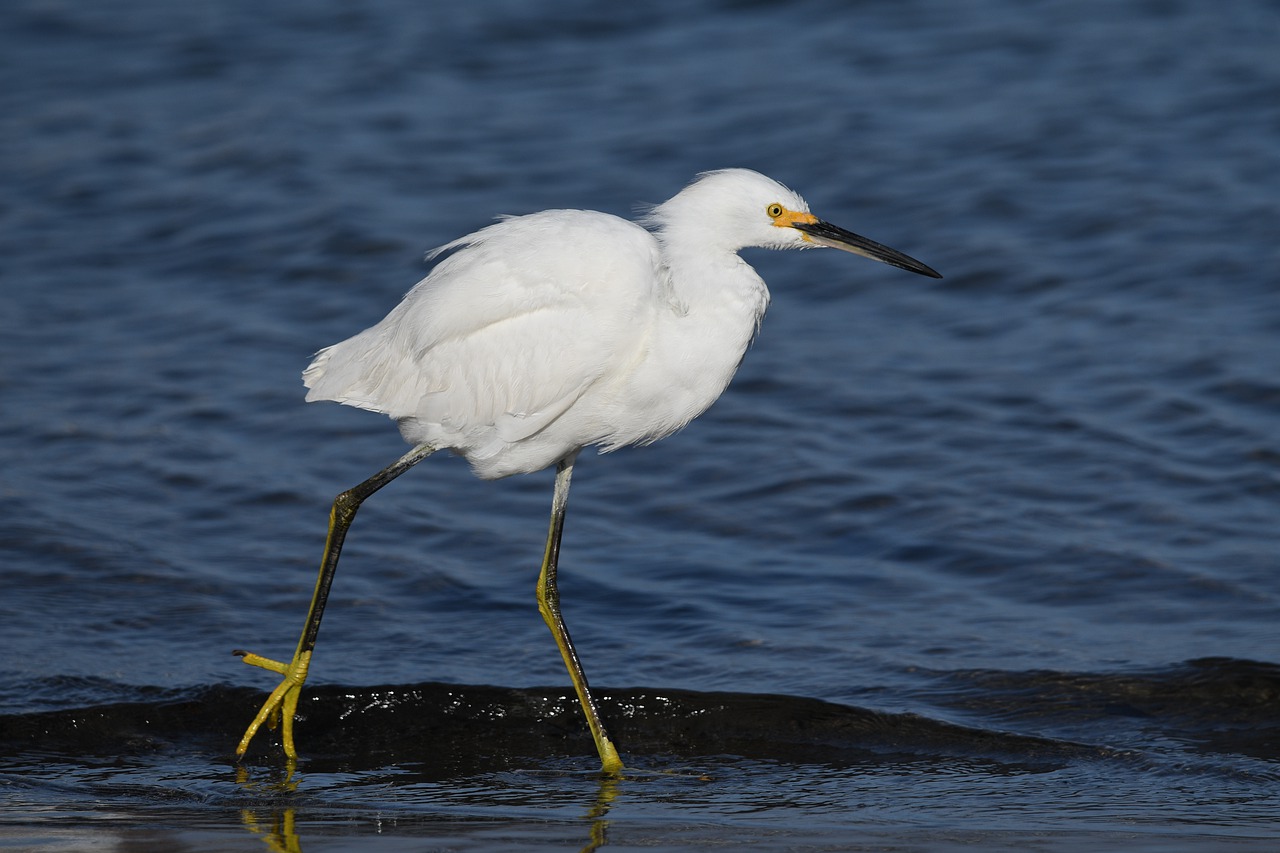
point(544, 334)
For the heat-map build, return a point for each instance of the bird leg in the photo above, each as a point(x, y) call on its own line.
point(549, 607)
point(282, 704)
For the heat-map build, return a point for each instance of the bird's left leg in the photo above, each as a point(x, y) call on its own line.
point(549, 607)
point(282, 704)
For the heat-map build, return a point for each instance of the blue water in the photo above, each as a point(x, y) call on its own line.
point(1026, 516)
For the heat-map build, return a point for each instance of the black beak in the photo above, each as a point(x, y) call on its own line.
point(826, 234)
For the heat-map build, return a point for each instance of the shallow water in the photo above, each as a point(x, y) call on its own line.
point(987, 562)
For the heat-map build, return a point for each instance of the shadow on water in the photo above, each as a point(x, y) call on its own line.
point(442, 731)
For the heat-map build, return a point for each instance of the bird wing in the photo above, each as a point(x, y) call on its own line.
point(506, 333)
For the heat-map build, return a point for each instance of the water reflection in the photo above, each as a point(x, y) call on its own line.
point(609, 789)
point(276, 825)
point(280, 834)
point(275, 819)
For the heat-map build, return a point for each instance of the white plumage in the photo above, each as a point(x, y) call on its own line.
point(544, 334)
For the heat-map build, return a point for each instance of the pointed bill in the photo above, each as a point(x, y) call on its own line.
point(826, 234)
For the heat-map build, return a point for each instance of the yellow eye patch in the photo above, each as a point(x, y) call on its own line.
point(783, 217)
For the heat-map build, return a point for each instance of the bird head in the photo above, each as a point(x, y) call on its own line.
point(736, 209)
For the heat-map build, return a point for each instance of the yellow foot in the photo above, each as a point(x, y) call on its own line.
point(282, 704)
point(611, 762)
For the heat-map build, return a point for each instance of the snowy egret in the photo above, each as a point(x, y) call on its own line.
point(547, 333)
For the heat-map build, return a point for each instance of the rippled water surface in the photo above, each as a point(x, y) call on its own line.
point(988, 562)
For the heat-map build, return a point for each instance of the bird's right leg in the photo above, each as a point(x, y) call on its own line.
point(282, 704)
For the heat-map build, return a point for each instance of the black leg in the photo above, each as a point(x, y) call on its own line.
point(282, 704)
point(549, 607)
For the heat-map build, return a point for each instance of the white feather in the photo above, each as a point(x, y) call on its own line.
point(543, 334)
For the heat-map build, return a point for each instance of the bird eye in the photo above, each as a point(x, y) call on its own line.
point(774, 210)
